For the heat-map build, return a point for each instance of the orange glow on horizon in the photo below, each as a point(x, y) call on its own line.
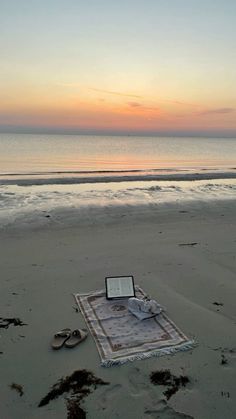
point(93, 108)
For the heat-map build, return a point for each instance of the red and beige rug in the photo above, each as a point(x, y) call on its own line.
point(121, 337)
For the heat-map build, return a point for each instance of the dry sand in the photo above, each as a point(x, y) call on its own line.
point(42, 268)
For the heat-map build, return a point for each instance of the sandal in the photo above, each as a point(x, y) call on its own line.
point(76, 337)
point(60, 338)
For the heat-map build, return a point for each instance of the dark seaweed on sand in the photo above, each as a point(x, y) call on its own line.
point(217, 304)
point(5, 322)
point(74, 411)
point(165, 378)
point(224, 360)
point(188, 244)
point(18, 388)
point(77, 384)
point(162, 377)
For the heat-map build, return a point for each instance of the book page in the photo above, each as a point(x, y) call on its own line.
point(119, 287)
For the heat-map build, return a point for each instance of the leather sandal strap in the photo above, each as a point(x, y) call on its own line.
point(62, 334)
point(76, 333)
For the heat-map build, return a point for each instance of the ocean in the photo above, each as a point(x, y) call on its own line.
point(46, 174)
point(50, 155)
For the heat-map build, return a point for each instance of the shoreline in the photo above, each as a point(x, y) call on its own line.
point(34, 181)
point(61, 206)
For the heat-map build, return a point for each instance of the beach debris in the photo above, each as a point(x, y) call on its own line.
point(78, 386)
point(224, 360)
point(225, 394)
point(162, 377)
point(18, 388)
point(217, 304)
point(188, 244)
point(74, 411)
point(6, 322)
point(224, 350)
point(165, 378)
point(76, 309)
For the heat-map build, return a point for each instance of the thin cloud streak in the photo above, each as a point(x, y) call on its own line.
point(110, 92)
point(144, 107)
point(217, 111)
point(183, 103)
point(134, 104)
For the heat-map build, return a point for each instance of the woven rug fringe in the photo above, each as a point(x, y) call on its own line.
point(157, 353)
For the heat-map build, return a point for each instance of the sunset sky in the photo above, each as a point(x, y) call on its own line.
point(127, 66)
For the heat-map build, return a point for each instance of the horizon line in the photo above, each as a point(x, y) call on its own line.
point(17, 129)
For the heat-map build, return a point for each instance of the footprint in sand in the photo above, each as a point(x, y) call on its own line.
point(163, 411)
point(108, 395)
point(140, 388)
point(138, 382)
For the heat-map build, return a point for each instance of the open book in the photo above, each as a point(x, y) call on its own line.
point(119, 287)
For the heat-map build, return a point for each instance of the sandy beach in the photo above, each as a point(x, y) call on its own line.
point(117, 159)
point(183, 255)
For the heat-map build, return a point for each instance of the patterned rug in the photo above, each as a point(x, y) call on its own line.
point(121, 337)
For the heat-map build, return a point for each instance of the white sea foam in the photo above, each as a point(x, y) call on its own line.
point(67, 178)
point(21, 205)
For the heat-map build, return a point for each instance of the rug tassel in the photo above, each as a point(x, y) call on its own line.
point(155, 353)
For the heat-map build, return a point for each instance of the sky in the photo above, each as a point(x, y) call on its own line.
point(127, 66)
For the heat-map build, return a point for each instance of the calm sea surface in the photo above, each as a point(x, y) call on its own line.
point(48, 154)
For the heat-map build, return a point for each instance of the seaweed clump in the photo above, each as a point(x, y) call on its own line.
point(165, 378)
point(78, 385)
point(74, 411)
point(5, 322)
point(18, 388)
point(224, 360)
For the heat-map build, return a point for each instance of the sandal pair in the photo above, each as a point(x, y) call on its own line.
point(68, 338)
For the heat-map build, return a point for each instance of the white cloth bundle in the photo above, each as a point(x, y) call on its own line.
point(144, 309)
